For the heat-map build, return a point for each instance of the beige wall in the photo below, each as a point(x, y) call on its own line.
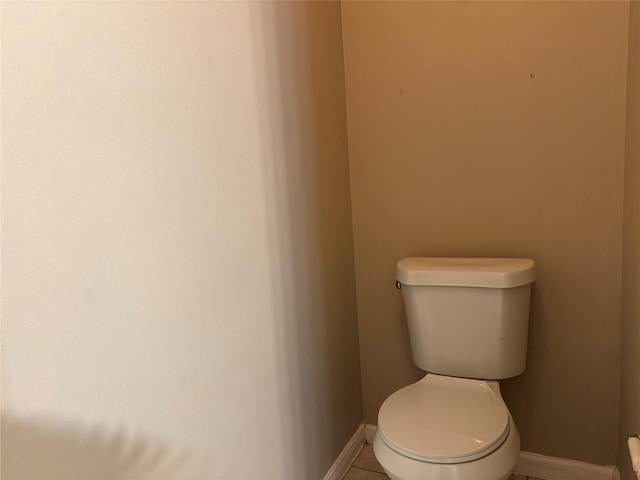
point(177, 268)
point(496, 129)
point(630, 333)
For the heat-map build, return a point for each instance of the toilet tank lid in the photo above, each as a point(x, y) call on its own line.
point(466, 272)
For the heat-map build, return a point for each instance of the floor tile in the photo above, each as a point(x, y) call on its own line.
point(355, 473)
point(367, 459)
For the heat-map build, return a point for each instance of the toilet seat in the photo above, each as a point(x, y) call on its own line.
point(444, 420)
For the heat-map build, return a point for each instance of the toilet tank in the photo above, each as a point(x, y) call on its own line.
point(468, 317)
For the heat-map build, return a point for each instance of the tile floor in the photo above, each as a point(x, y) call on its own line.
point(366, 467)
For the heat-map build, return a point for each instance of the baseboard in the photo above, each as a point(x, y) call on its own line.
point(616, 474)
point(547, 468)
point(347, 456)
point(553, 468)
point(370, 432)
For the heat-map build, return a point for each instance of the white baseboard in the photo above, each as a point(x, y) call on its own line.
point(547, 468)
point(370, 432)
point(347, 456)
point(553, 468)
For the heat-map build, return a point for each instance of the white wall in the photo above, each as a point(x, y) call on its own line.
point(177, 267)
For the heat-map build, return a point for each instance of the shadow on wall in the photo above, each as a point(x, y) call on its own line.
point(70, 451)
point(301, 77)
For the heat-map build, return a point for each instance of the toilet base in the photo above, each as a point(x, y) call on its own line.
point(498, 465)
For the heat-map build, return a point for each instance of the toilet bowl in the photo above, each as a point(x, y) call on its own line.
point(446, 428)
point(467, 321)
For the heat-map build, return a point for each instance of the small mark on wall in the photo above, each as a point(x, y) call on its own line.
point(532, 74)
point(400, 93)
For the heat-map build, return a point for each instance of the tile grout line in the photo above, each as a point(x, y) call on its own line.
point(368, 470)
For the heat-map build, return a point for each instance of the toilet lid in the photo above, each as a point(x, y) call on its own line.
point(444, 420)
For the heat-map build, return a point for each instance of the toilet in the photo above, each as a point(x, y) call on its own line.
point(468, 321)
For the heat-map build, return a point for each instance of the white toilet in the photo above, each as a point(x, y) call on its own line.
point(468, 320)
